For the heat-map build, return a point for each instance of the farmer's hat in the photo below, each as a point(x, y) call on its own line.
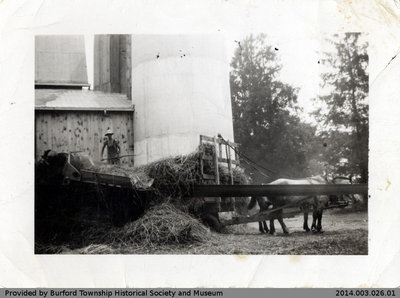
point(109, 132)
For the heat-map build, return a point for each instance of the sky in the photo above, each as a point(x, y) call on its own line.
point(299, 58)
point(299, 55)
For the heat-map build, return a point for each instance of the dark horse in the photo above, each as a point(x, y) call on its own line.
point(305, 203)
point(264, 205)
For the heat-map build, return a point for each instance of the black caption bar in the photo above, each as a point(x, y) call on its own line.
point(198, 292)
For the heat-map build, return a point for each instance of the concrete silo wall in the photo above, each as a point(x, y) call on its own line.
point(180, 89)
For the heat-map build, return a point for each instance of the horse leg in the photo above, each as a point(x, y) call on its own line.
point(271, 226)
point(305, 224)
point(260, 227)
point(319, 226)
point(314, 222)
point(265, 226)
point(284, 228)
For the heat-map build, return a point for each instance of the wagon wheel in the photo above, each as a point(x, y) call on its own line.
point(212, 220)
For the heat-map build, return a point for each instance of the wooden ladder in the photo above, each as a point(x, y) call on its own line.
point(212, 154)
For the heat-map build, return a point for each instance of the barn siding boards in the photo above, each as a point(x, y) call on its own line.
point(102, 63)
point(65, 131)
point(60, 60)
point(112, 63)
point(125, 64)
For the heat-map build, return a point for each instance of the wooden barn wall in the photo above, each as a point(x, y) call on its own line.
point(113, 63)
point(65, 131)
point(125, 63)
point(102, 62)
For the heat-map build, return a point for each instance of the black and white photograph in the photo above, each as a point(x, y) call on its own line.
point(209, 144)
point(199, 144)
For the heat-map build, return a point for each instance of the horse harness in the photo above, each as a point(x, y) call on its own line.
point(351, 196)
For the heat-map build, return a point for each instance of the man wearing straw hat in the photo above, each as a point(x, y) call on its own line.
point(113, 148)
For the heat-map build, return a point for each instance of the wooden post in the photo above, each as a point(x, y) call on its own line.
point(228, 157)
point(201, 158)
point(236, 155)
point(216, 162)
point(218, 200)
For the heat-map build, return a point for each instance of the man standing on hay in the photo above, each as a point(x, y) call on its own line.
point(113, 148)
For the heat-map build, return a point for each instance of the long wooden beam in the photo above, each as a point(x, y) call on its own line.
point(266, 215)
point(287, 212)
point(288, 190)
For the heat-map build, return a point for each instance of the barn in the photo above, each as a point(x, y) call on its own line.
point(70, 117)
point(158, 93)
point(76, 120)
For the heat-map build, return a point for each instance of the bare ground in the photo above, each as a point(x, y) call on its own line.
point(346, 233)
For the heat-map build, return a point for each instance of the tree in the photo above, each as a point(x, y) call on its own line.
point(265, 111)
point(345, 118)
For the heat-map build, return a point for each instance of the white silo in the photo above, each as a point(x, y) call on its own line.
point(180, 89)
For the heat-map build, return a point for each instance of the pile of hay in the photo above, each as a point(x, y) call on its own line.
point(164, 224)
point(174, 176)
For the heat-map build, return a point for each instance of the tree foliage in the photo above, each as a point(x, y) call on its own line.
point(345, 119)
point(265, 112)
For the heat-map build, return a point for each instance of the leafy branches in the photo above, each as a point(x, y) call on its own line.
point(346, 116)
point(264, 111)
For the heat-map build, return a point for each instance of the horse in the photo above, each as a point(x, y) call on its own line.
point(304, 202)
point(356, 199)
point(264, 205)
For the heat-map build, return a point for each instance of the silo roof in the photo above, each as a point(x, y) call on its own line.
point(71, 99)
point(60, 60)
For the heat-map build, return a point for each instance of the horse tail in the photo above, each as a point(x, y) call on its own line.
point(252, 203)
